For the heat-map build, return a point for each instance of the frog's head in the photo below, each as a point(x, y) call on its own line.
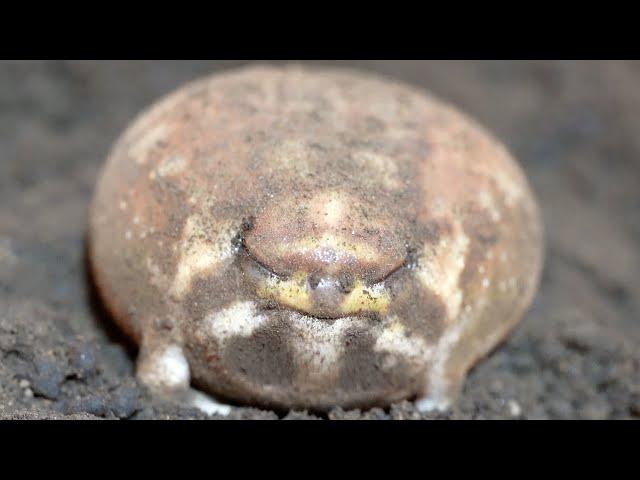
point(326, 255)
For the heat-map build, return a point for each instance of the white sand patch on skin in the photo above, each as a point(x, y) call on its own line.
point(487, 202)
point(319, 344)
point(156, 276)
point(240, 319)
point(201, 252)
point(440, 267)
point(169, 167)
point(385, 168)
point(512, 190)
point(332, 212)
point(293, 155)
point(394, 339)
point(140, 149)
point(505, 178)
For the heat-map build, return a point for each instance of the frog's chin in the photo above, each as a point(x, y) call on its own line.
point(244, 317)
point(283, 357)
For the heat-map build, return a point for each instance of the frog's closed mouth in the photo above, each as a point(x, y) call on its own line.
point(318, 294)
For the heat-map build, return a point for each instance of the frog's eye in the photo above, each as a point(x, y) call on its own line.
point(325, 251)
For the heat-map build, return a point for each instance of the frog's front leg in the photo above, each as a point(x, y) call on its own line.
point(163, 368)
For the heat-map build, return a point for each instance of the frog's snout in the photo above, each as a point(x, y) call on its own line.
point(327, 255)
point(328, 293)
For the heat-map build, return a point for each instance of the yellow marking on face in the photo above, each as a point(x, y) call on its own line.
point(292, 292)
point(373, 298)
point(295, 293)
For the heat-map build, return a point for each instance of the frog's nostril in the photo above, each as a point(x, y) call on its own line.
point(314, 281)
point(327, 295)
point(329, 285)
point(324, 286)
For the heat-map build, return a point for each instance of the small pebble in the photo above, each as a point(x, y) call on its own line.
point(596, 409)
point(514, 408)
point(92, 404)
point(300, 415)
point(24, 383)
point(83, 360)
point(48, 378)
point(124, 401)
point(560, 408)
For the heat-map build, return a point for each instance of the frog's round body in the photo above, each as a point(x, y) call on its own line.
point(302, 238)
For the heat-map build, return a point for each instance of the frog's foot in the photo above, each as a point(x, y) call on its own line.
point(165, 371)
point(206, 403)
point(440, 396)
point(428, 404)
point(164, 368)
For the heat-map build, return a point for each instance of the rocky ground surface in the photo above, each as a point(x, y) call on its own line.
point(573, 125)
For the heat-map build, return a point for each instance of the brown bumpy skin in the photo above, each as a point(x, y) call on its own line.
point(312, 238)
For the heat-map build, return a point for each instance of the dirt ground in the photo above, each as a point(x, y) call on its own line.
point(573, 126)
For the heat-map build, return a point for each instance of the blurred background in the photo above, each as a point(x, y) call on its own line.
point(574, 127)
